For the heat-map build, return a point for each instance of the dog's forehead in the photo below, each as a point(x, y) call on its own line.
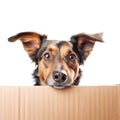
point(57, 43)
point(54, 45)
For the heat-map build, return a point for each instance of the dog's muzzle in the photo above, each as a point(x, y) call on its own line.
point(59, 76)
point(59, 79)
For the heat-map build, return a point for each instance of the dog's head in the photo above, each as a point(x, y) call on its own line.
point(58, 61)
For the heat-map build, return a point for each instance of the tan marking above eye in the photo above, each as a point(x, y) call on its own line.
point(65, 49)
point(53, 49)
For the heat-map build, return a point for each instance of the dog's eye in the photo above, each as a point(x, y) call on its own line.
point(72, 57)
point(48, 56)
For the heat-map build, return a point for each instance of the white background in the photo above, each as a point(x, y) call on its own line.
point(59, 19)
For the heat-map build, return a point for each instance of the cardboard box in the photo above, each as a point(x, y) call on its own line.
point(46, 103)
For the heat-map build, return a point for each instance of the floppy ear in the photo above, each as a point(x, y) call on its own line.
point(31, 41)
point(85, 42)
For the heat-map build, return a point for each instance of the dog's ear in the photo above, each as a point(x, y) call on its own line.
point(84, 43)
point(31, 41)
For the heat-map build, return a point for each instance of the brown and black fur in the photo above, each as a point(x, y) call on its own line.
point(58, 62)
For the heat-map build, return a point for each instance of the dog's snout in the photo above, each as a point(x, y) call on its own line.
point(59, 76)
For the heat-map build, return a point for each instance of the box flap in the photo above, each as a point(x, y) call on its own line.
point(9, 103)
point(75, 103)
point(46, 103)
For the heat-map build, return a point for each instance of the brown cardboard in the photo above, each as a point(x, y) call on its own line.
point(46, 103)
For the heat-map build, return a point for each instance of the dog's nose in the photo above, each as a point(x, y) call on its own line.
point(59, 76)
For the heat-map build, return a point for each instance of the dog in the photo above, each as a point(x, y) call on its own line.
point(58, 62)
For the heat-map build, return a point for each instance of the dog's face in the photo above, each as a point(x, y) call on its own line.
point(58, 61)
point(58, 64)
